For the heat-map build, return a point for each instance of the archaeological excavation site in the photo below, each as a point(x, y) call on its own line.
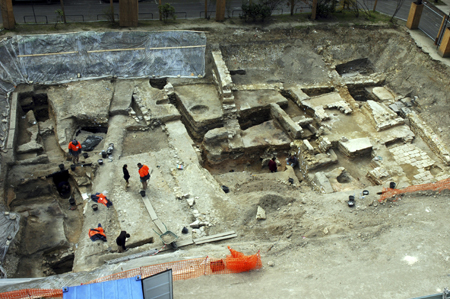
point(363, 111)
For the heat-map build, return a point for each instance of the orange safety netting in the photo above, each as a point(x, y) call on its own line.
point(32, 293)
point(438, 186)
point(238, 262)
point(193, 268)
point(181, 270)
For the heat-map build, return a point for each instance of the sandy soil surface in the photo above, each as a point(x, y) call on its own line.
point(320, 248)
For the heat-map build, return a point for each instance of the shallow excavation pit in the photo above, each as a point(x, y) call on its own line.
point(41, 190)
point(362, 66)
point(48, 229)
point(36, 101)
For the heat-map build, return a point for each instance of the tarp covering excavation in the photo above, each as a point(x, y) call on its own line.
point(9, 226)
point(55, 58)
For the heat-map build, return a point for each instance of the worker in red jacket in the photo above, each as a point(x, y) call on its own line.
point(144, 174)
point(273, 165)
point(75, 150)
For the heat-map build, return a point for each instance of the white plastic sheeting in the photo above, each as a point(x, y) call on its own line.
point(9, 226)
point(55, 58)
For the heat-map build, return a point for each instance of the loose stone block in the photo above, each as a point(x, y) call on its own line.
point(356, 147)
point(260, 214)
point(292, 129)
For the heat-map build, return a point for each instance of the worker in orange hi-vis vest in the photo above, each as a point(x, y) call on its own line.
point(144, 174)
point(75, 150)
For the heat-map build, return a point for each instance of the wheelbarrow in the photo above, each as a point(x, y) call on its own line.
point(168, 238)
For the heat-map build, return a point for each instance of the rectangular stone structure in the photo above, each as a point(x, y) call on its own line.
point(290, 127)
point(222, 76)
point(356, 147)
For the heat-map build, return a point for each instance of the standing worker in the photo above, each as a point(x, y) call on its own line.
point(144, 174)
point(126, 175)
point(75, 150)
point(273, 165)
point(120, 241)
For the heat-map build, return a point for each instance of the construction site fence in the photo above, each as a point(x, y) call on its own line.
point(32, 293)
point(181, 270)
point(392, 192)
point(186, 269)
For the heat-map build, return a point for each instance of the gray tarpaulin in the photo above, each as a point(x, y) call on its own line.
point(54, 58)
point(9, 226)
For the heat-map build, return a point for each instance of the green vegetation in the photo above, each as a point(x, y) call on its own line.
point(255, 11)
point(109, 14)
point(59, 16)
point(325, 8)
point(261, 10)
point(167, 11)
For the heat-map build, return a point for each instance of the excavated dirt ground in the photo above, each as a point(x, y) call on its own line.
point(317, 246)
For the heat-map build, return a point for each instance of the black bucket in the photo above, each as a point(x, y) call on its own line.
point(351, 201)
point(291, 180)
point(174, 245)
point(72, 201)
point(143, 193)
point(392, 185)
point(225, 189)
point(104, 155)
point(365, 192)
point(100, 162)
point(95, 207)
point(73, 166)
point(184, 230)
point(85, 155)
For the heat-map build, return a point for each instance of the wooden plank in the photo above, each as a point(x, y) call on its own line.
point(216, 239)
point(150, 209)
point(48, 54)
point(111, 50)
point(116, 50)
point(160, 225)
point(215, 236)
point(185, 243)
point(179, 244)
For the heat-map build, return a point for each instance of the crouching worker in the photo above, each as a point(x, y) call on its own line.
point(293, 161)
point(97, 233)
point(120, 241)
point(101, 198)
